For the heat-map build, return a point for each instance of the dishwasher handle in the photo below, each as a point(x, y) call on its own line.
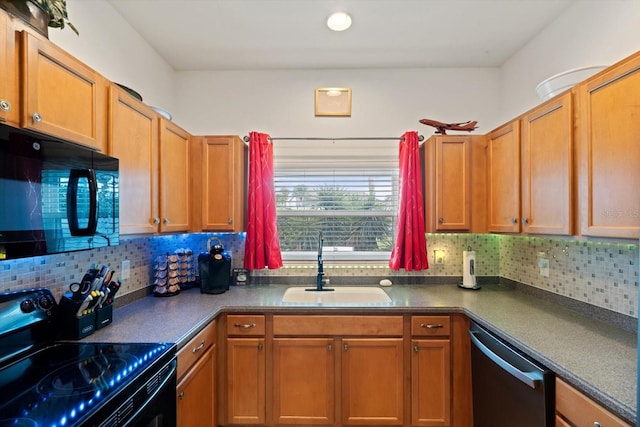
point(532, 379)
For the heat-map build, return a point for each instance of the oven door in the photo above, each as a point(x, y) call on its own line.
point(151, 404)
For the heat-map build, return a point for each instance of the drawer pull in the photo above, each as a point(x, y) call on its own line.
point(430, 326)
point(198, 348)
point(245, 325)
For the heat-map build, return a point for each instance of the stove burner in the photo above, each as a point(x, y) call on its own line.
point(91, 374)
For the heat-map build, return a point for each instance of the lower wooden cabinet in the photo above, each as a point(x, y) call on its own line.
point(195, 392)
point(574, 409)
point(245, 392)
point(431, 382)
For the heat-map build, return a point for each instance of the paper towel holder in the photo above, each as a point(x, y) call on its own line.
point(469, 270)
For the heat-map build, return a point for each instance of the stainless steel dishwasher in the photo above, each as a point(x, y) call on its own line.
point(509, 389)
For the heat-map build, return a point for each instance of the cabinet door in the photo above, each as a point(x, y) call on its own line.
point(133, 139)
point(431, 382)
point(301, 395)
point(62, 96)
point(174, 177)
point(372, 381)
point(196, 393)
point(609, 152)
point(9, 72)
point(223, 186)
point(547, 171)
point(448, 183)
point(503, 178)
point(246, 381)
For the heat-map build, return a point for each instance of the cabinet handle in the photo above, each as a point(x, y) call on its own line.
point(156, 220)
point(245, 325)
point(4, 105)
point(416, 348)
point(596, 424)
point(441, 220)
point(514, 220)
point(330, 347)
point(430, 326)
point(37, 118)
point(525, 220)
point(181, 395)
point(345, 347)
point(166, 221)
point(229, 221)
point(198, 348)
point(259, 347)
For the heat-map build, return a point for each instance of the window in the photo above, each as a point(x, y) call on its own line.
point(334, 188)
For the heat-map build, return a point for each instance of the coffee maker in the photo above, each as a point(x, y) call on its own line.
point(215, 268)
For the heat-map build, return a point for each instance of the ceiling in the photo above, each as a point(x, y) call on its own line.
point(271, 34)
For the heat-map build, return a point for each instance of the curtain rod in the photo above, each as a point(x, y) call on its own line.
point(355, 138)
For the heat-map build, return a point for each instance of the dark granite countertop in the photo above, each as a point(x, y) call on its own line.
point(596, 357)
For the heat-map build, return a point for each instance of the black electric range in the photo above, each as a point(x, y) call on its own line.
point(47, 383)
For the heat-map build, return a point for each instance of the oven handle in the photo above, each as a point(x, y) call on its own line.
point(532, 379)
point(158, 390)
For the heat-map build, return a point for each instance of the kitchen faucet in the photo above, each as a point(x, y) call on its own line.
point(320, 280)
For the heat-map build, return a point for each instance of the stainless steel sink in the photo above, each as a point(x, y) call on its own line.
point(355, 295)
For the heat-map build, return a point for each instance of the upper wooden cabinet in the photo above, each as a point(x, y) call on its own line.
point(133, 139)
point(547, 168)
point(609, 151)
point(220, 173)
point(61, 96)
point(174, 177)
point(503, 178)
point(455, 189)
point(9, 73)
point(448, 183)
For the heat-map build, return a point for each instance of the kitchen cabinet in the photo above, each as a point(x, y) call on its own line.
point(133, 139)
point(9, 72)
point(547, 168)
point(574, 409)
point(245, 370)
point(369, 386)
point(430, 371)
point(61, 96)
point(154, 166)
point(174, 177)
point(503, 178)
point(220, 175)
point(372, 381)
point(303, 381)
point(455, 193)
point(608, 151)
point(195, 392)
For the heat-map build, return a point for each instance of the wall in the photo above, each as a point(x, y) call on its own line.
point(602, 274)
point(588, 33)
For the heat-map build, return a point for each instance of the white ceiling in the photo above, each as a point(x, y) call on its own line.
point(263, 34)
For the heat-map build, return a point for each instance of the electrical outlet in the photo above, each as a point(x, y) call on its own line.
point(543, 265)
point(125, 267)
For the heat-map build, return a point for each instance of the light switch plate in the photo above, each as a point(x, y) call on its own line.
point(125, 267)
point(543, 265)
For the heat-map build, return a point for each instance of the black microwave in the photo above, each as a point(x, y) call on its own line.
point(55, 196)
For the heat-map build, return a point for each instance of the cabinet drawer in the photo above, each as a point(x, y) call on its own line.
point(245, 324)
point(579, 410)
point(430, 326)
point(337, 325)
point(189, 354)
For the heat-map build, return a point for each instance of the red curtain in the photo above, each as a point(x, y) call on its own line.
point(410, 245)
point(262, 245)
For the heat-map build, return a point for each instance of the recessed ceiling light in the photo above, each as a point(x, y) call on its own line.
point(339, 21)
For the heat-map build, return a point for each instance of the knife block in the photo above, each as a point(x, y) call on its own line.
point(72, 327)
point(104, 316)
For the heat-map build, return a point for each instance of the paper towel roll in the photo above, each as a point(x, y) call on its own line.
point(469, 269)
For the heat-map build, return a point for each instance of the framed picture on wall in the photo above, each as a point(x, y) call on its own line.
point(333, 101)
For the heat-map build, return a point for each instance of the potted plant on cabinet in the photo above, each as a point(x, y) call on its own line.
point(40, 14)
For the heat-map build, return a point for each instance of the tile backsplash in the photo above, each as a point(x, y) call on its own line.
point(598, 273)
